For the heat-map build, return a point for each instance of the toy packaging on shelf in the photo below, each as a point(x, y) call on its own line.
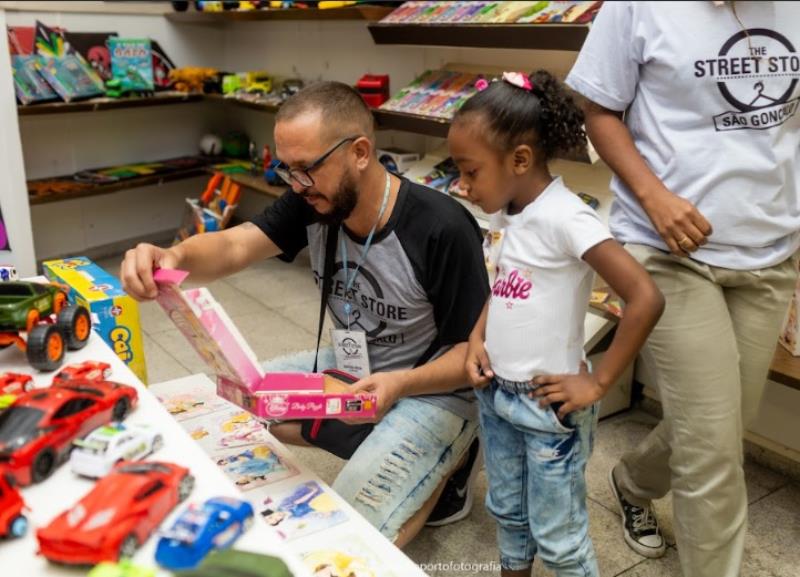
point(213, 335)
point(70, 77)
point(374, 89)
point(437, 93)
point(790, 335)
point(213, 210)
point(115, 315)
point(487, 12)
point(29, 85)
point(397, 160)
point(132, 59)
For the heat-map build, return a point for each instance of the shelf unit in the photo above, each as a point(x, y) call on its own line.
point(255, 183)
point(785, 368)
point(368, 13)
point(103, 103)
point(554, 36)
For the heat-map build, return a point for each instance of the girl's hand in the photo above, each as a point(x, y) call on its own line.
point(683, 228)
point(574, 391)
point(479, 370)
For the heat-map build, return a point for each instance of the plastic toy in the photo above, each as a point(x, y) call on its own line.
point(374, 89)
point(37, 431)
point(51, 324)
point(13, 522)
point(191, 79)
point(86, 371)
point(215, 524)
point(7, 272)
point(15, 383)
point(233, 562)
point(97, 454)
point(211, 145)
point(123, 568)
point(117, 515)
point(131, 84)
point(258, 82)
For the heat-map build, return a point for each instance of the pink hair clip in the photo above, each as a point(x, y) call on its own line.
point(481, 84)
point(519, 80)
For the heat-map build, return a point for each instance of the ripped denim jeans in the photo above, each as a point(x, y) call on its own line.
point(535, 466)
point(402, 461)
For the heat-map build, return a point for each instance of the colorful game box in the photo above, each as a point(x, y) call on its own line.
point(115, 315)
point(213, 335)
point(70, 76)
point(29, 85)
point(132, 58)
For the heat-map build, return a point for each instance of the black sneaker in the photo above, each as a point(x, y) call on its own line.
point(639, 525)
point(455, 502)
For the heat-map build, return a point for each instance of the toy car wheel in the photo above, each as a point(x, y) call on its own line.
point(45, 347)
point(19, 526)
point(158, 443)
point(59, 302)
point(76, 323)
point(128, 547)
point(43, 465)
point(186, 487)
point(121, 408)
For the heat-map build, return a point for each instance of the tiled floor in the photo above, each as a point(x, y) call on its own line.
point(276, 306)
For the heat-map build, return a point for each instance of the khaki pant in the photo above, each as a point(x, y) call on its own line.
point(711, 352)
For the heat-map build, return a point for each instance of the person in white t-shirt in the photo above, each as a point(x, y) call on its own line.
point(694, 106)
point(525, 357)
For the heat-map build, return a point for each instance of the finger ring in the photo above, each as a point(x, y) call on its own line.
point(683, 240)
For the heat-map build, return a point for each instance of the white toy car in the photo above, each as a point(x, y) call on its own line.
point(97, 453)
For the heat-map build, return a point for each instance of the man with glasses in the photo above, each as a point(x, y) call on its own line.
point(406, 275)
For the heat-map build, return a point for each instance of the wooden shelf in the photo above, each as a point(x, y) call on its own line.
point(98, 189)
point(785, 368)
point(263, 107)
point(103, 103)
point(368, 13)
point(522, 36)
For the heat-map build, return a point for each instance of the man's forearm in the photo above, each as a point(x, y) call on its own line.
point(442, 375)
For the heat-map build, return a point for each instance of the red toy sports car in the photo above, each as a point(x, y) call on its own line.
point(118, 515)
point(15, 383)
point(37, 431)
point(88, 371)
point(12, 522)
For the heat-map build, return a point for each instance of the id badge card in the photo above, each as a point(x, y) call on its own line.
point(350, 348)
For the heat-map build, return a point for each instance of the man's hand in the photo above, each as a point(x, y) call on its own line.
point(683, 228)
point(574, 391)
point(479, 370)
point(136, 271)
point(388, 387)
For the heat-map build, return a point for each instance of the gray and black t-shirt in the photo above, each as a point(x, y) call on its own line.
point(420, 290)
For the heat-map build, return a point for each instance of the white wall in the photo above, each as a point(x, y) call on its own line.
point(13, 194)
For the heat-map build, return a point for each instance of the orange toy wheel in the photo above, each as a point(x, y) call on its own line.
point(82, 327)
point(59, 302)
point(55, 347)
point(32, 320)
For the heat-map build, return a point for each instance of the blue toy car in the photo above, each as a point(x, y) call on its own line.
point(215, 524)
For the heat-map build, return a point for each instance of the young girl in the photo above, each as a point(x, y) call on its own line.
point(526, 356)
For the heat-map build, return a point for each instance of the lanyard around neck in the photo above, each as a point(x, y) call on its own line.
point(349, 280)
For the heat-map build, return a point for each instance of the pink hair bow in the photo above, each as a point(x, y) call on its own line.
point(519, 80)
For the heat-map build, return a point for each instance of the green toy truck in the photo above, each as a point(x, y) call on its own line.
point(51, 324)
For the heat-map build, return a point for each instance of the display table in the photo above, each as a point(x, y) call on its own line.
point(49, 498)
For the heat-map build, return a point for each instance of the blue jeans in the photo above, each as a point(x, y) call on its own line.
point(404, 459)
point(535, 465)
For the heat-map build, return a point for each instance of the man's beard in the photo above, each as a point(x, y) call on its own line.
point(343, 203)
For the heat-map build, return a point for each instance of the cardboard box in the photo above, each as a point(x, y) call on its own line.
point(115, 315)
point(211, 332)
point(397, 160)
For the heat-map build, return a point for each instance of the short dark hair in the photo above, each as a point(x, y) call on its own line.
point(545, 118)
point(345, 112)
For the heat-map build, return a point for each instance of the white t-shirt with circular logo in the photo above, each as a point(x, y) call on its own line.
point(713, 109)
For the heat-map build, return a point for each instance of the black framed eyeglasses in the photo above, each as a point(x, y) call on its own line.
point(302, 176)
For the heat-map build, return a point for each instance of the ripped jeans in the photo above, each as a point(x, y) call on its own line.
point(535, 466)
point(402, 461)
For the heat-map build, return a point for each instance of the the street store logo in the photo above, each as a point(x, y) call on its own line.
point(757, 72)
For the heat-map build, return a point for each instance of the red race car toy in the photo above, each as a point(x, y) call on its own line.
point(118, 515)
point(12, 522)
point(37, 431)
point(88, 371)
point(15, 383)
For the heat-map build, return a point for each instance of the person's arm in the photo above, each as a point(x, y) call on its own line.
point(206, 257)
point(676, 220)
point(644, 304)
point(479, 369)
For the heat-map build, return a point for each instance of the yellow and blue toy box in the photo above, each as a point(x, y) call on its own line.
point(115, 315)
